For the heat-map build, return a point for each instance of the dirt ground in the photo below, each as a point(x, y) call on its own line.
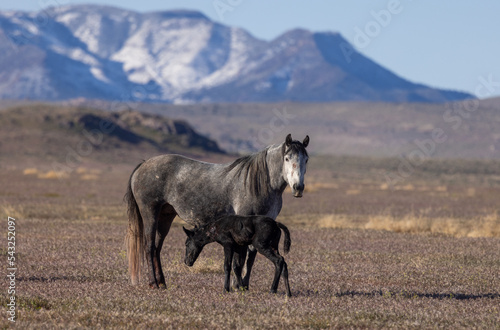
point(422, 254)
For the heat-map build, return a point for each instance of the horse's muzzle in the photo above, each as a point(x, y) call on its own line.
point(298, 190)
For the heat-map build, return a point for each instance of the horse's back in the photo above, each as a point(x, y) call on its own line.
point(265, 226)
point(193, 188)
point(244, 228)
point(174, 162)
point(165, 169)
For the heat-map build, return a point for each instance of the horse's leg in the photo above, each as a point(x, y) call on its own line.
point(150, 220)
point(228, 259)
point(165, 220)
point(252, 253)
point(285, 277)
point(278, 262)
point(239, 262)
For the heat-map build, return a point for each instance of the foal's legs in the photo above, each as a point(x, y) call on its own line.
point(240, 254)
point(285, 277)
point(228, 259)
point(252, 253)
point(280, 267)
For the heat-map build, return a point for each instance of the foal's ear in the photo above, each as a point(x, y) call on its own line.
point(306, 141)
point(189, 233)
point(288, 140)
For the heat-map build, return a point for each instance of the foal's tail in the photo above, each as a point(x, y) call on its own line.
point(288, 241)
point(135, 233)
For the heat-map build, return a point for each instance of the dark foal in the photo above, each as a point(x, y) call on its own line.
point(235, 233)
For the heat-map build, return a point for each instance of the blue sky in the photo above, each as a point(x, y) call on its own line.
point(447, 44)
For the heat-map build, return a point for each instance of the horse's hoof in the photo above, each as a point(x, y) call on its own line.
point(162, 286)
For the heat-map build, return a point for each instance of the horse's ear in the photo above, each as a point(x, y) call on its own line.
point(189, 233)
point(288, 140)
point(306, 141)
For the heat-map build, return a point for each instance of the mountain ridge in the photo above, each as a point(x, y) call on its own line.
point(181, 56)
point(73, 134)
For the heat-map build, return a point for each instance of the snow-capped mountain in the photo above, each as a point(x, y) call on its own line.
point(109, 53)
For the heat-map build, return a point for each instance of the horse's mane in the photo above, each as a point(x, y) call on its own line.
point(295, 147)
point(253, 169)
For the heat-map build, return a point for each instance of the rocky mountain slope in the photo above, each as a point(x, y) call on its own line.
point(100, 52)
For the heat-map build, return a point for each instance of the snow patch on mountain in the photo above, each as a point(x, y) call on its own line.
point(182, 56)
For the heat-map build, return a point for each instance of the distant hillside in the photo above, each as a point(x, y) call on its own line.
point(69, 135)
point(472, 129)
point(36, 131)
point(100, 52)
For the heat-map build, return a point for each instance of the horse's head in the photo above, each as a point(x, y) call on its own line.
point(294, 163)
point(195, 242)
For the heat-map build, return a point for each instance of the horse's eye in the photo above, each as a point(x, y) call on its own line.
point(286, 158)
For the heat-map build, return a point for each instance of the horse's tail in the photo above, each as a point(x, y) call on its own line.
point(135, 233)
point(288, 241)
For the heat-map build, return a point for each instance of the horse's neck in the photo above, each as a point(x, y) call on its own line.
point(274, 161)
point(210, 238)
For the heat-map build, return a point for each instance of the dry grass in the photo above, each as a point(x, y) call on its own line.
point(487, 226)
point(30, 171)
point(429, 260)
point(45, 175)
point(317, 186)
point(84, 173)
point(353, 192)
point(14, 211)
point(336, 221)
point(89, 177)
point(207, 265)
point(73, 275)
point(81, 170)
point(53, 175)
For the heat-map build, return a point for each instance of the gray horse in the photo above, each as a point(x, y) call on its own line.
point(198, 192)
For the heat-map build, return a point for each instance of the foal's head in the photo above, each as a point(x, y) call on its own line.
point(196, 240)
point(294, 163)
